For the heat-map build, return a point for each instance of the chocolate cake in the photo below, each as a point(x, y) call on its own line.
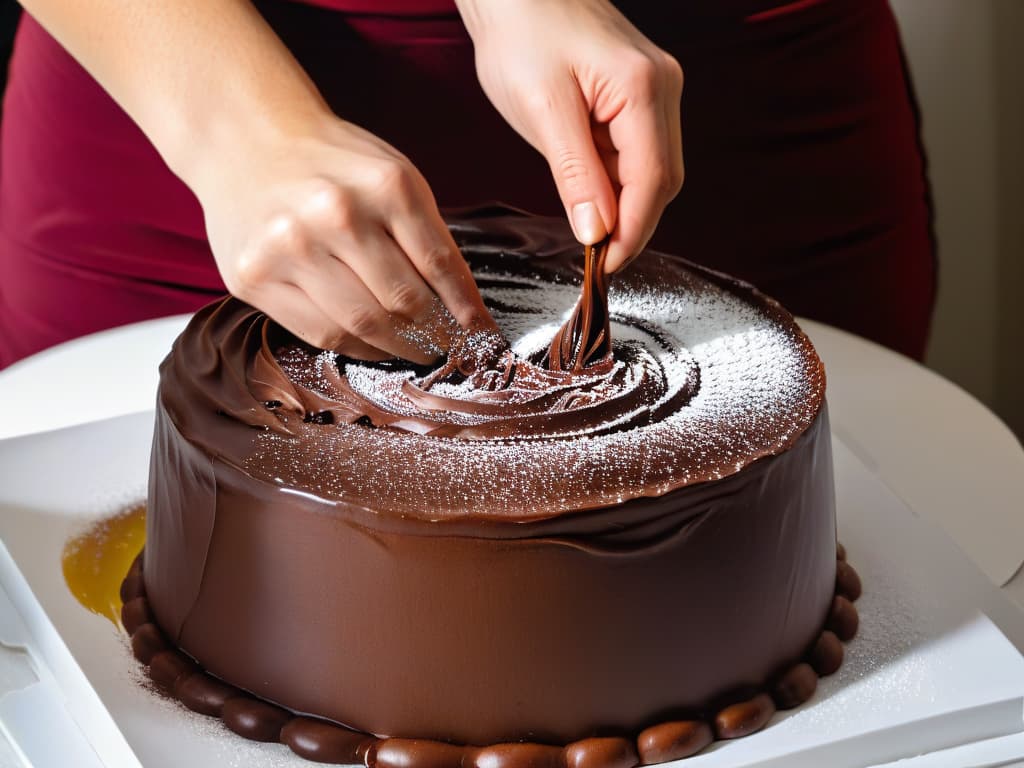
point(600, 550)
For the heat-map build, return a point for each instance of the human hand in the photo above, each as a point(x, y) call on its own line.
point(598, 99)
point(335, 235)
point(326, 228)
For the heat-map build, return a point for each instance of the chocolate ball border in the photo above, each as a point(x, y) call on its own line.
point(176, 674)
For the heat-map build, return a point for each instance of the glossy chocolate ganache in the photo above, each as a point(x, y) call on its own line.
point(537, 541)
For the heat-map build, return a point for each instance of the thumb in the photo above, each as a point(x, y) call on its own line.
point(567, 142)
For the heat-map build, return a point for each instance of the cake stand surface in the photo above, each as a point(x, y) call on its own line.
point(911, 450)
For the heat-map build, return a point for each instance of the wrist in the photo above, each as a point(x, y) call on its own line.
point(243, 135)
point(480, 15)
point(232, 109)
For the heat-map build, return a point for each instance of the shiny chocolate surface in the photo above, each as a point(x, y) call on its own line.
point(483, 561)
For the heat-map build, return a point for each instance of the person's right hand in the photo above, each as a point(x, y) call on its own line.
point(598, 99)
point(336, 236)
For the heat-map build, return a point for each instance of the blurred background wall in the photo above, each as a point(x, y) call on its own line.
point(967, 59)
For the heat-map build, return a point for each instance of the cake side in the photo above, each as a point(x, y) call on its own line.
point(601, 622)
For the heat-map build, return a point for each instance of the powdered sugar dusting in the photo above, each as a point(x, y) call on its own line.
point(760, 387)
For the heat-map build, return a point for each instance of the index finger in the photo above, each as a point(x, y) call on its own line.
point(650, 172)
point(430, 247)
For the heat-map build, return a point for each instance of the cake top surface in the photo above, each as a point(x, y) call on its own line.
point(707, 375)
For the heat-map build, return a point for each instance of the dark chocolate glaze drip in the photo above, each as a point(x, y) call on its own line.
point(586, 338)
point(323, 741)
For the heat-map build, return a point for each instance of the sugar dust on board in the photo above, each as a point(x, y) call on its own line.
point(95, 563)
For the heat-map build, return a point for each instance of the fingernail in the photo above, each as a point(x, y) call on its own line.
point(587, 222)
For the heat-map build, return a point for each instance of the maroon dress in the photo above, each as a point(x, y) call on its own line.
point(804, 168)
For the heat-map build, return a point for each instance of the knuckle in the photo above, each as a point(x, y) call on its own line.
point(406, 300)
point(662, 178)
point(252, 269)
point(538, 101)
point(331, 206)
point(676, 179)
point(334, 339)
point(436, 259)
point(673, 70)
point(286, 235)
point(392, 178)
point(657, 176)
point(570, 167)
point(642, 74)
point(364, 322)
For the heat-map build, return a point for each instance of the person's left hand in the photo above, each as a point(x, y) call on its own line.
point(598, 99)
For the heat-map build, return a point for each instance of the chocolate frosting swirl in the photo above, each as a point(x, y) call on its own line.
point(586, 338)
point(683, 395)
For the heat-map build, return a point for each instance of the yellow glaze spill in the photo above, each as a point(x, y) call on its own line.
point(96, 562)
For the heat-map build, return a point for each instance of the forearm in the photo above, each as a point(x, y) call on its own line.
point(195, 75)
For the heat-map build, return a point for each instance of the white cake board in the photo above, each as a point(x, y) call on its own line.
point(929, 670)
